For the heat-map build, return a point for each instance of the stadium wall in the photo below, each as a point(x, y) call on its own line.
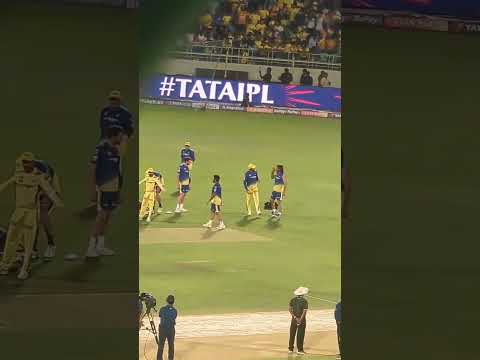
point(187, 67)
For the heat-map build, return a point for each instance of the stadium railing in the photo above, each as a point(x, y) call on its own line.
point(223, 54)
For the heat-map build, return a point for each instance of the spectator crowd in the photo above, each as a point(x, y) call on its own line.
point(302, 27)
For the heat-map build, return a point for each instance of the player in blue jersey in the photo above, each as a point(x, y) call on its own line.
point(279, 189)
point(116, 114)
point(105, 173)
point(250, 183)
point(215, 202)
point(186, 153)
point(185, 183)
point(47, 207)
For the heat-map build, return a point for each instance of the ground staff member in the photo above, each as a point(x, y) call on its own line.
point(298, 309)
point(338, 319)
point(168, 317)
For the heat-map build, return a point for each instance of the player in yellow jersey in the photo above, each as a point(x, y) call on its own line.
point(28, 183)
point(250, 183)
point(152, 182)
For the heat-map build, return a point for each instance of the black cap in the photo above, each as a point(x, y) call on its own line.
point(170, 299)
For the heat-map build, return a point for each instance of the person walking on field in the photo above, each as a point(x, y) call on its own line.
point(168, 316)
point(298, 309)
point(338, 320)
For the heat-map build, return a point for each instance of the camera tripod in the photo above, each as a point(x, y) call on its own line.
point(153, 328)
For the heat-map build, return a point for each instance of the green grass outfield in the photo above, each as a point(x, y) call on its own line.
point(305, 250)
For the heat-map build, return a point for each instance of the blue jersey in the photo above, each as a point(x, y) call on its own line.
point(278, 179)
point(217, 190)
point(107, 163)
point(251, 178)
point(183, 172)
point(338, 312)
point(116, 116)
point(186, 153)
point(168, 316)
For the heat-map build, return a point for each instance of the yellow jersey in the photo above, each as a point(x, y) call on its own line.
point(28, 187)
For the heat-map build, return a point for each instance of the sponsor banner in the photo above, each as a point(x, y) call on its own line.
point(113, 3)
point(314, 113)
point(285, 111)
point(231, 107)
point(198, 105)
point(467, 9)
point(464, 27)
point(352, 18)
point(260, 110)
point(182, 88)
point(213, 106)
point(415, 23)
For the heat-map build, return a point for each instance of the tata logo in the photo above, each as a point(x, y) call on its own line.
point(213, 90)
point(472, 27)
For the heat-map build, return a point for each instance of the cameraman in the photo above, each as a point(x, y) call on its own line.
point(168, 316)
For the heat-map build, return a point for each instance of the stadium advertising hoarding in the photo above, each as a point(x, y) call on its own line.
point(110, 3)
point(366, 19)
point(233, 93)
point(467, 9)
point(409, 21)
point(466, 27)
point(415, 22)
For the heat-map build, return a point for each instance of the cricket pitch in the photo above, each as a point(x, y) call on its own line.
point(196, 235)
point(244, 336)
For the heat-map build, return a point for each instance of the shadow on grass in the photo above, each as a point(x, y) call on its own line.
point(208, 234)
point(173, 218)
point(246, 220)
point(83, 272)
point(10, 283)
point(273, 223)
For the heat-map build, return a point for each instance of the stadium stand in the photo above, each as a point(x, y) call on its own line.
point(268, 32)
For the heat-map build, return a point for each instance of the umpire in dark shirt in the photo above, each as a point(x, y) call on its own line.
point(166, 331)
point(298, 309)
